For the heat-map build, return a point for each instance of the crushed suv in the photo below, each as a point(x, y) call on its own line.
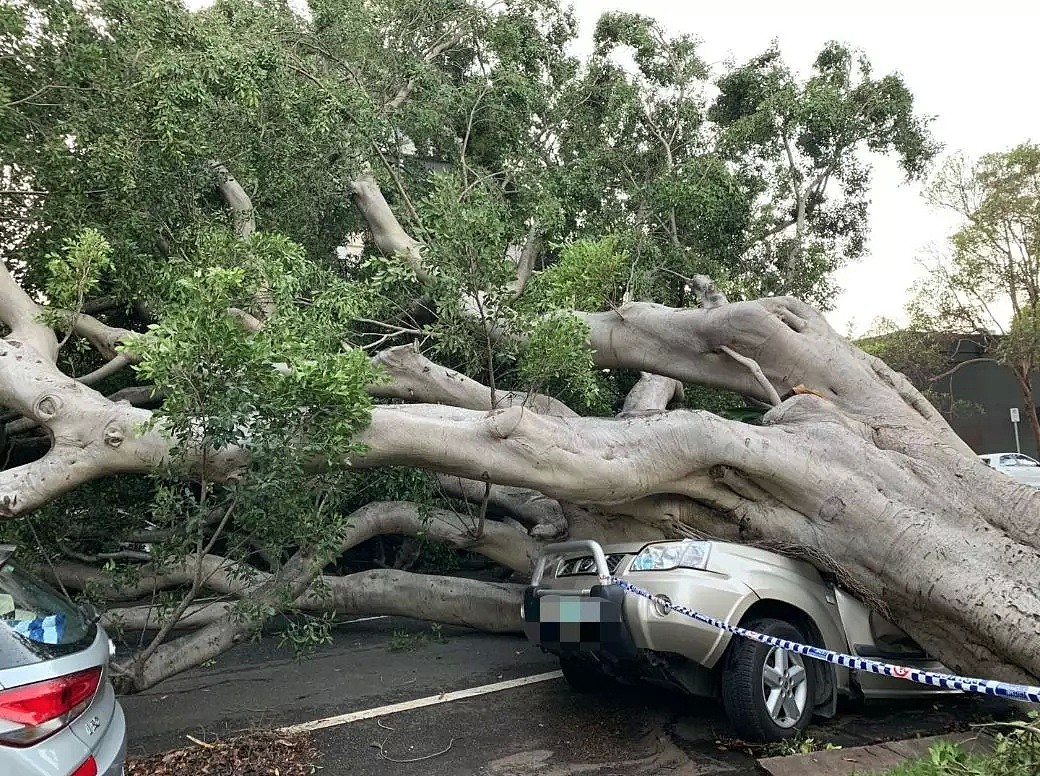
point(769, 694)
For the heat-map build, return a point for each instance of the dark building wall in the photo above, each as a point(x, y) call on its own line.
point(994, 389)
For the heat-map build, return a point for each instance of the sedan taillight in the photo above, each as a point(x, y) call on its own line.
point(32, 712)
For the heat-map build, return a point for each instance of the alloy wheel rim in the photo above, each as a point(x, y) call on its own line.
point(785, 690)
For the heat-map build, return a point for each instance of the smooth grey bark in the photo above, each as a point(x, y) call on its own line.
point(415, 378)
point(470, 603)
point(652, 393)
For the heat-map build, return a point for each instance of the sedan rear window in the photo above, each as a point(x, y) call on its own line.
point(36, 622)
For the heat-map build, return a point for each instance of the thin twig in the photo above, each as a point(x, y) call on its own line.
point(47, 557)
point(390, 326)
point(100, 557)
point(956, 368)
point(383, 754)
point(388, 336)
point(479, 534)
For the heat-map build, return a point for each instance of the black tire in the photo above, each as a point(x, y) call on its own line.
point(582, 675)
point(744, 685)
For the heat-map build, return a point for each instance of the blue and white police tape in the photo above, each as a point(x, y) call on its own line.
point(1018, 692)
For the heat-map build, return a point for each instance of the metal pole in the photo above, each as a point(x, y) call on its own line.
point(1018, 446)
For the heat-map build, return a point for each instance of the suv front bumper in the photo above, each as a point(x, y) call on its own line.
point(581, 623)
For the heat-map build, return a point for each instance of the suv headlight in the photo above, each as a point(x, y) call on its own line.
point(662, 556)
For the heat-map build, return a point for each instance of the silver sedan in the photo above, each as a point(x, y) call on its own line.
point(58, 710)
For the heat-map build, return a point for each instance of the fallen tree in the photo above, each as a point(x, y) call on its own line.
point(488, 373)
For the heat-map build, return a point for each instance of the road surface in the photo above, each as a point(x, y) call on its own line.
point(537, 729)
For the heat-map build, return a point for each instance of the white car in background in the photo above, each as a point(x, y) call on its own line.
point(1020, 467)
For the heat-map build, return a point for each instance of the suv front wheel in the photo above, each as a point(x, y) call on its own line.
point(767, 691)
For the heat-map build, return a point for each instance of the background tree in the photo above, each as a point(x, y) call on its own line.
point(275, 286)
point(803, 143)
point(924, 357)
point(989, 283)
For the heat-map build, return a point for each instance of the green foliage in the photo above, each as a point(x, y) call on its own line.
point(1016, 752)
point(77, 270)
point(304, 634)
point(557, 360)
point(1021, 344)
point(234, 393)
point(467, 233)
point(799, 745)
point(993, 260)
point(921, 356)
point(586, 277)
point(993, 257)
point(724, 403)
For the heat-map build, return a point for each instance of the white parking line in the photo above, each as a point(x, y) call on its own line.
point(418, 703)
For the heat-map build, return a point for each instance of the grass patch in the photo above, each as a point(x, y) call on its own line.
point(1016, 752)
point(406, 641)
point(797, 745)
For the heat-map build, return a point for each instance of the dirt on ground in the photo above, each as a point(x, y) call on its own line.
point(258, 754)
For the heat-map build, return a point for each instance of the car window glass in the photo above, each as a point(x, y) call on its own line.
point(36, 613)
point(1025, 460)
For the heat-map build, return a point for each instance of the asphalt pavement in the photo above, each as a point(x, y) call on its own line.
point(540, 729)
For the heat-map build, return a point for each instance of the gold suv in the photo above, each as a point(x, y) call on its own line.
point(597, 628)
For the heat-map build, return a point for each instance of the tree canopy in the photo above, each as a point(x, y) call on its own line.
point(234, 217)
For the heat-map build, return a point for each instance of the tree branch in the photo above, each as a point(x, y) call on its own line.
point(708, 295)
point(249, 322)
point(117, 364)
point(244, 217)
point(532, 248)
point(540, 515)
point(756, 370)
point(138, 395)
point(469, 603)
point(651, 393)
point(104, 338)
point(415, 378)
point(22, 314)
point(389, 235)
point(958, 367)
point(499, 542)
point(237, 200)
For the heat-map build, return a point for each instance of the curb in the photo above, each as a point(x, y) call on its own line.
point(864, 760)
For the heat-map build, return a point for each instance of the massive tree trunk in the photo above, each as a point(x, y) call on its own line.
point(851, 462)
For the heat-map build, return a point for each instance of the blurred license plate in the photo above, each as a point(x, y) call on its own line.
point(571, 609)
point(574, 623)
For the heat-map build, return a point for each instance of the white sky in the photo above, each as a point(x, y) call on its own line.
point(977, 74)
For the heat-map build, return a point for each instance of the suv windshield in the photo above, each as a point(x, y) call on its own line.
point(36, 623)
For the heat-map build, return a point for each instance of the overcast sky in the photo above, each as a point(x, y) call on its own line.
point(978, 75)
